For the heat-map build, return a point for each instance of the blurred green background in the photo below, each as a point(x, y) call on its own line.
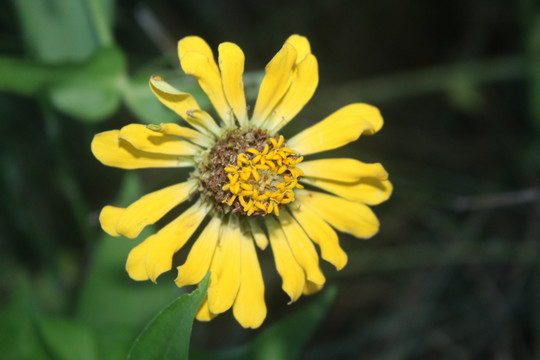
point(454, 272)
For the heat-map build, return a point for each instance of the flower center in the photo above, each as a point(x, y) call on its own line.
point(250, 173)
point(261, 181)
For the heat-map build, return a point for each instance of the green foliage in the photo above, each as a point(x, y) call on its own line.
point(167, 336)
point(59, 31)
point(19, 338)
point(93, 91)
point(283, 340)
point(67, 339)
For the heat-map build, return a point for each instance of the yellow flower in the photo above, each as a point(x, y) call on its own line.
point(246, 178)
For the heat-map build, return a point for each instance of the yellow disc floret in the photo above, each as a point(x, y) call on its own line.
point(263, 180)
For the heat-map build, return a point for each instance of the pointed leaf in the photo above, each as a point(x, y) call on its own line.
point(167, 336)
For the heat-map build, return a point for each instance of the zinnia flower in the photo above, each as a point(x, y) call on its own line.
point(247, 180)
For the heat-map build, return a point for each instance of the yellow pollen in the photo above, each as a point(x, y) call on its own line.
point(261, 181)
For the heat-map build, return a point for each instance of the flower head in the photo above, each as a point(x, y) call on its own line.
point(248, 180)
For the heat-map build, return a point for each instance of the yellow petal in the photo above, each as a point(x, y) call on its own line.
point(187, 133)
point(275, 83)
point(302, 248)
point(301, 44)
point(153, 256)
point(322, 234)
point(288, 268)
point(311, 288)
point(152, 207)
point(195, 44)
point(368, 191)
point(338, 129)
point(345, 215)
point(231, 63)
point(225, 277)
point(203, 313)
point(347, 170)
point(299, 93)
point(176, 100)
point(258, 235)
point(200, 256)
point(112, 151)
point(207, 74)
point(135, 265)
point(108, 218)
point(249, 307)
point(142, 138)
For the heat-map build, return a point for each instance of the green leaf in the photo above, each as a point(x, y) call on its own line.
point(27, 77)
point(67, 339)
point(88, 91)
point(167, 336)
point(19, 338)
point(284, 340)
point(57, 31)
point(92, 93)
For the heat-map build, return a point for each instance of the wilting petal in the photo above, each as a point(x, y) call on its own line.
point(302, 248)
point(368, 191)
point(288, 268)
point(152, 207)
point(338, 129)
point(231, 63)
point(300, 92)
point(322, 234)
point(346, 170)
point(249, 307)
point(345, 215)
point(176, 100)
point(276, 81)
point(142, 138)
point(225, 277)
point(187, 133)
point(200, 255)
point(154, 256)
point(112, 151)
point(108, 218)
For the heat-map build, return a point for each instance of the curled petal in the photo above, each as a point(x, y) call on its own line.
point(110, 150)
point(108, 218)
point(142, 138)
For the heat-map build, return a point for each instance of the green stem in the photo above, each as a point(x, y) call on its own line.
point(418, 256)
point(436, 79)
